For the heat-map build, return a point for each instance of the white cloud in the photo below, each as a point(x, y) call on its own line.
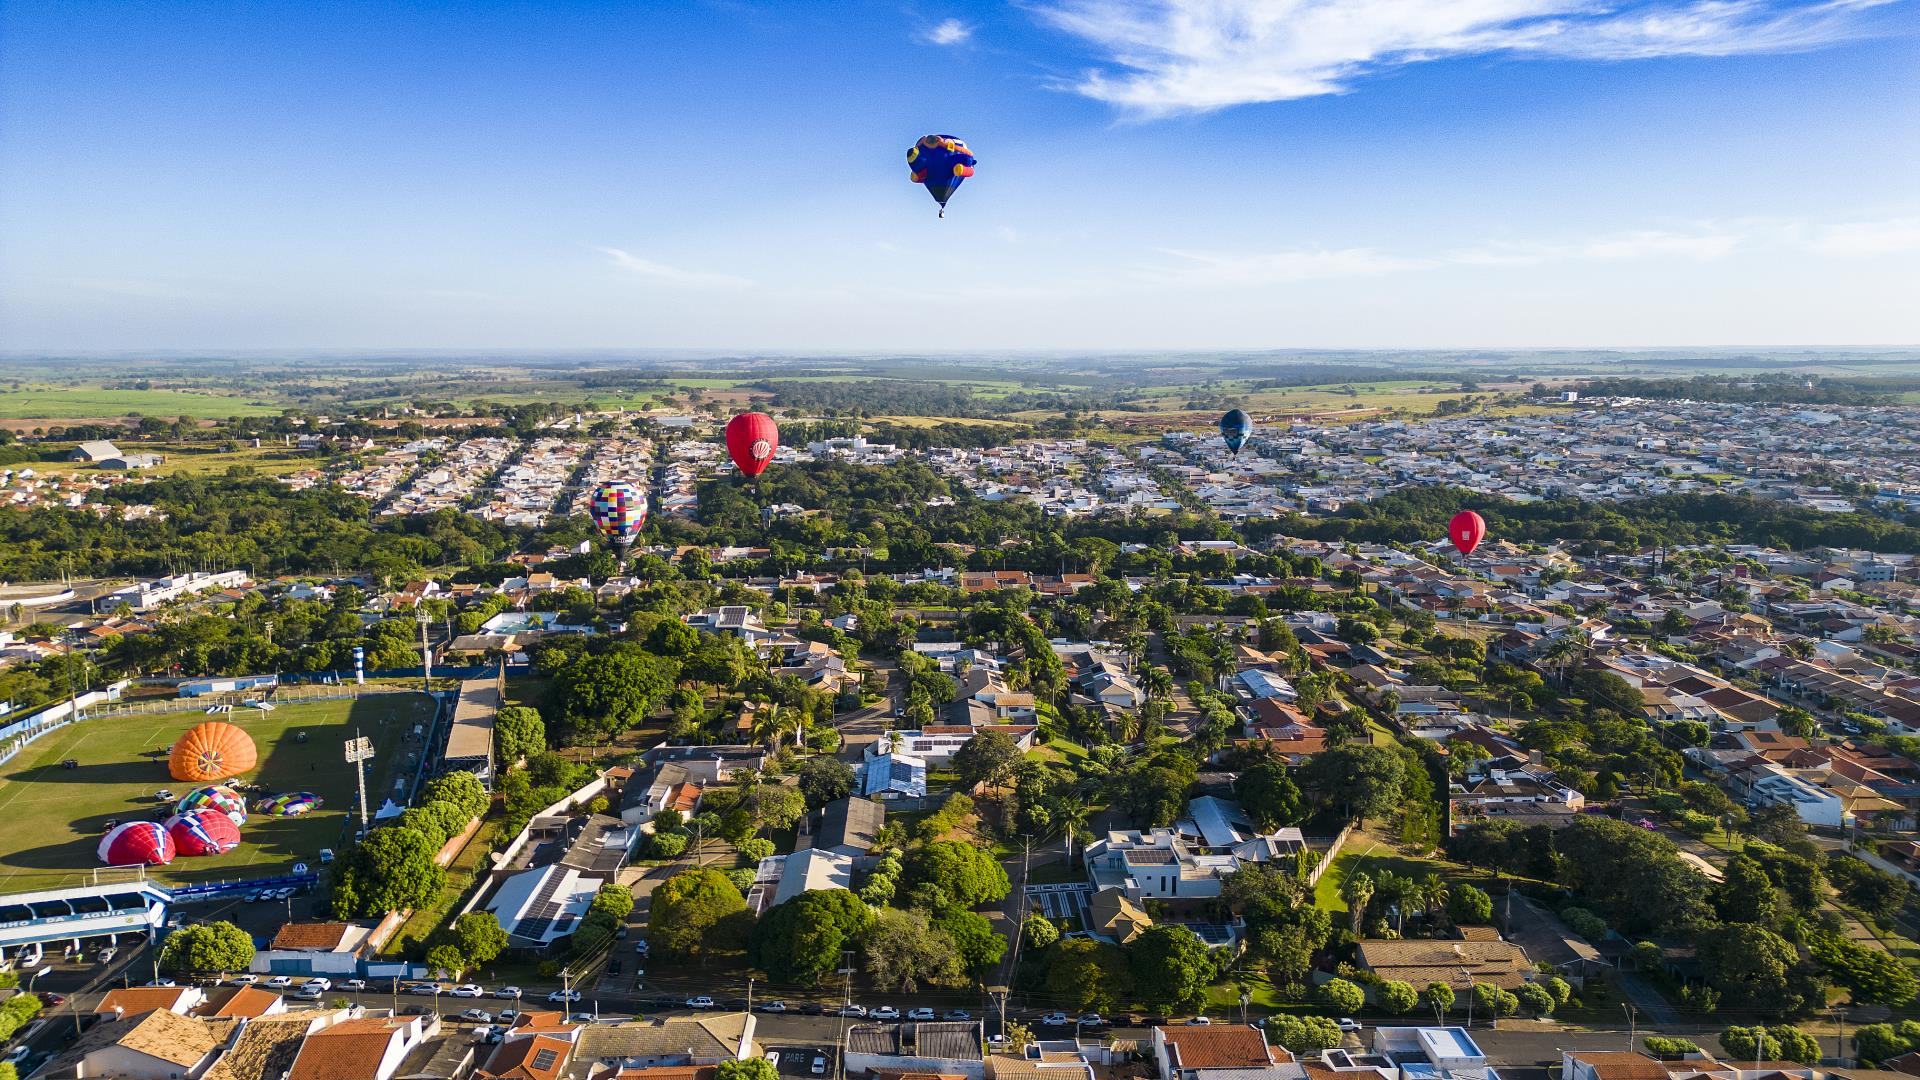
point(1183, 56)
point(1865, 239)
point(948, 32)
point(672, 274)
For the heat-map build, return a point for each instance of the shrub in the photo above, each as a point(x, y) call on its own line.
point(757, 848)
point(1397, 997)
point(1340, 996)
point(1668, 1046)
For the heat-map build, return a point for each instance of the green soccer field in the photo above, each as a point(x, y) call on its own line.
point(52, 819)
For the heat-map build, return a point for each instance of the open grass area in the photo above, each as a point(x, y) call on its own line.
point(199, 459)
point(56, 816)
point(79, 402)
point(462, 873)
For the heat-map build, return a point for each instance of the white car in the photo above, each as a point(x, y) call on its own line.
point(478, 1016)
point(107, 954)
point(243, 980)
point(773, 1059)
point(355, 985)
point(506, 1017)
point(278, 982)
point(507, 992)
point(18, 1054)
point(424, 989)
point(1092, 1020)
point(772, 1007)
point(921, 1013)
point(560, 996)
point(1200, 1021)
point(1056, 1019)
point(701, 1002)
point(310, 992)
point(468, 990)
point(884, 1012)
point(323, 984)
point(859, 1011)
point(819, 1067)
point(1347, 1023)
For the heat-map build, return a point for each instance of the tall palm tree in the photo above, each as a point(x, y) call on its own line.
point(1434, 896)
point(1357, 891)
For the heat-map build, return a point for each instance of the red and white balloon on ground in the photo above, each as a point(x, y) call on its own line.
point(137, 843)
point(203, 832)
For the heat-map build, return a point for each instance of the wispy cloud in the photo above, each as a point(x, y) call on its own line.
point(674, 275)
point(1865, 239)
point(1316, 264)
point(948, 32)
point(1182, 56)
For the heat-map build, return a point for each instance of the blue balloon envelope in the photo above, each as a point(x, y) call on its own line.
point(940, 162)
point(1236, 428)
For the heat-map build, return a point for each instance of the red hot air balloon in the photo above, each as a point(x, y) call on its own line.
point(751, 439)
point(137, 843)
point(1466, 530)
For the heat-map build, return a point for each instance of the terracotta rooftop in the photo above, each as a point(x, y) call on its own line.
point(141, 999)
point(542, 1057)
point(264, 1050)
point(1621, 1065)
point(310, 935)
point(248, 1001)
point(349, 1050)
point(1223, 1047)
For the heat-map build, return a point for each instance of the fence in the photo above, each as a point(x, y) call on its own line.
point(285, 695)
point(1326, 860)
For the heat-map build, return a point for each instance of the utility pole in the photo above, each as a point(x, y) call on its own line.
point(846, 998)
point(1840, 1034)
point(359, 752)
point(566, 994)
point(426, 653)
point(1632, 1028)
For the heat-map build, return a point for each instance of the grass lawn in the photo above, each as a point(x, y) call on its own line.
point(58, 815)
point(465, 868)
point(77, 402)
point(1373, 857)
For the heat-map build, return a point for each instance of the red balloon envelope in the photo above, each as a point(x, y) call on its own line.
point(136, 843)
point(1466, 531)
point(751, 439)
point(203, 832)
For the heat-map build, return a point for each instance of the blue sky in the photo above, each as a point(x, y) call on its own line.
point(1153, 174)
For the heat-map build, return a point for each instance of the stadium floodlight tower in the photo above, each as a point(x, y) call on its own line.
point(359, 752)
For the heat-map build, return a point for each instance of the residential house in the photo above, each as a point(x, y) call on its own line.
point(894, 776)
point(1195, 1053)
point(849, 826)
point(364, 1048)
point(313, 948)
point(158, 1044)
point(1420, 962)
point(899, 1051)
point(673, 1042)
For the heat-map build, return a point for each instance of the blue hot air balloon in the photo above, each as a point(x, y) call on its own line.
point(1236, 428)
point(940, 162)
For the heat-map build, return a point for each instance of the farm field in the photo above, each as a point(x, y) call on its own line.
point(82, 402)
point(56, 816)
point(197, 459)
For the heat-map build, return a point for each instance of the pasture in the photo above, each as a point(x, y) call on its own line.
point(54, 817)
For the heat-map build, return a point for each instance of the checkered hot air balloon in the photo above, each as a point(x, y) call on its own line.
point(619, 511)
point(203, 832)
point(216, 797)
point(290, 804)
point(137, 843)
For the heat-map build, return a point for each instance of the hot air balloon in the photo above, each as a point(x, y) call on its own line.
point(215, 797)
point(752, 438)
point(137, 843)
point(1466, 531)
point(290, 804)
point(940, 162)
point(1236, 428)
point(203, 832)
point(619, 512)
point(212, 751)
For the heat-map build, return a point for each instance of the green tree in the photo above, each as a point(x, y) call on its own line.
point(603, 695)
point(1267, 793)
point(1303, 1034)
point(1397, 997)
point(1747, 895)
point(518, 732)
point(690, 910)
point(824, 779)
point(1089, 974)
point(1363, 781)
point(479, 936)
point(1875, 1043)
point(1171, 966)
point(1537, 1000)
point(1439, 997)
point(1469, 906)
point(969, 876)
point(753, 1068)
point(391, 870)
point(904, 950)
point(447, 957)
point(1040, 931)
point(973, 936)
point(1340, 995)
point(207, 947)
point(988, 758)
point(803, 937)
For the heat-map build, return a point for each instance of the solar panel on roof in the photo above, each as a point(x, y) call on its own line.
point(544, 1059)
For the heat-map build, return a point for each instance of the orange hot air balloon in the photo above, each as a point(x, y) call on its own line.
point(212, 751)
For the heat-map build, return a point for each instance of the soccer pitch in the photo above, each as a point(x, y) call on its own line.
point(51, 818)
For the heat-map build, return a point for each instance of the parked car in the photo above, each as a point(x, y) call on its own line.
point(355, 985)
point(322, 983)
point(1055, 1019)
point(326, 855)
point(773, 1059)
point(478, 1016)
point(813, 1008)
point(310, 993)
point(883, 1012)
point(481, 1033)
point(819, 1067)
point(562, 996)
point(1347, 1023)
point(614, 966)
point(278, 982)
point(507, 992)
point(998, 1042)
point(734, 1004)
point(415, 1010)
point(50, 999)
point(243, 980)
point(957, 1015)
point(18, 1054)
point(506, 1017)
point(468, 990)
point(773, 1007)
point(428, 989)
point(1198, 1021)
point(107, 954)
point(859, 1011)
point(641, 946)
point(922, 1013)
point(1092, 1020)
point(701, 1002)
